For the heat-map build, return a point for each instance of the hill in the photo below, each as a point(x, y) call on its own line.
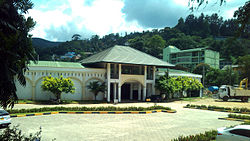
point(42, 43)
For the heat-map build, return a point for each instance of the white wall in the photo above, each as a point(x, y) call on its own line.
point(80, 76)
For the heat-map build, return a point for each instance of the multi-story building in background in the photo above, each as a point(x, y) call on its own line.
point(191, 57)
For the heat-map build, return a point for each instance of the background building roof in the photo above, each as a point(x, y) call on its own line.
point(56, 64)
point(125, 55)
point(174, 72)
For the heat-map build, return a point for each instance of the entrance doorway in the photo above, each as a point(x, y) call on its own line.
point(125, 91)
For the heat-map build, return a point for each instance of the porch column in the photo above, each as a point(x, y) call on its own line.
point(144, 93)
point(139, 91)
point(119, 93)
point(153, 85)
point(131, 91)
point(114, 85)
point(108, 81)
point(119, 85)
point(145, 84)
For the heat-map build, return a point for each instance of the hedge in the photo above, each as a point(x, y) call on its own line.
point(207, 136)
point(109, 108)
point(239, 116)
point(236, 110)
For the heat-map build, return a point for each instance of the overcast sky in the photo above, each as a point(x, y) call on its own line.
point(58, 20)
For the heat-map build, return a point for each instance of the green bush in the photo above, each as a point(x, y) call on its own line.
point(15, 134)
point(209, 107)
point(109, 108)
point(239, 116)
point(207, 136)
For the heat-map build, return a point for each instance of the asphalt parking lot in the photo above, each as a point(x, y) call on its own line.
point(156, 126)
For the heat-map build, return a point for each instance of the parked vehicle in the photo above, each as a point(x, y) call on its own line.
point(236, 133)
point(213, 89)
point(4, 118)
point(155, 98)
point(229, 92)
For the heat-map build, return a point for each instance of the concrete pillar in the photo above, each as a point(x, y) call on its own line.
point(83, 86)
point(131, 91)
point(139, 91)
point(119, 85)
point(119, 93)
point(114, 85)
point(153, 85)
point(144, 93)
point(108, 82)
point(201, 94)
point(33, 87)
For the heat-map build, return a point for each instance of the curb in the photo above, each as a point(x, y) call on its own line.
point(234, 119)
point(96, 112)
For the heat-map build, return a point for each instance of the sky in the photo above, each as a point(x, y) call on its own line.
point(59, 20)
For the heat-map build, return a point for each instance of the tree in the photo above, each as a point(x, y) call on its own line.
point(167, 85)
point(156, 45)
point(171, 85)
point(96, 87)
point(16, 50)
point(244, 64)
point(57, 86)
point(242, 14)
point(76, 37)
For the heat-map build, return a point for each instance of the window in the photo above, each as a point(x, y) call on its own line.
point(126, 69)
point(241, 132)
point(150, 73)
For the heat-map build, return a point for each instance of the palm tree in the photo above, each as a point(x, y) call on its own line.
point(96, 87)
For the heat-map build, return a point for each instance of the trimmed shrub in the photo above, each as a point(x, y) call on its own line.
point(239, 116)
point(109, 108)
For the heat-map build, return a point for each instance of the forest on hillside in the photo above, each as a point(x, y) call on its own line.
point(192, 32)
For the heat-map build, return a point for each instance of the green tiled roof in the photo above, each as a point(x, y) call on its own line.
point(55, 64)
point(125, 55)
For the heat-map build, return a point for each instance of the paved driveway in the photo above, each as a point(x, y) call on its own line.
point(156, 126)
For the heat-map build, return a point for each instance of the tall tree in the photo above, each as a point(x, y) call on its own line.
point(16, 49)
point(76, 37)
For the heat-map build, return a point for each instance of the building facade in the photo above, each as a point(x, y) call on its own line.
point(191, 57)
point(128, 73)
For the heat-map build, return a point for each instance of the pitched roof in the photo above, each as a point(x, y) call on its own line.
point(125, 55)
point(56, 64)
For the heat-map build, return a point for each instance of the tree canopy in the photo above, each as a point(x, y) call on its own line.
point(57, 86)
point(96, 87)
point(16, 50)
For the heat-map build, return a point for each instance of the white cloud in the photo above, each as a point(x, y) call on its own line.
point(101, 17)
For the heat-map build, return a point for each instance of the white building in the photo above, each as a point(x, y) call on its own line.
point(128, 73)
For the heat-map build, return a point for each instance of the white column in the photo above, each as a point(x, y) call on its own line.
point(144, 93)
point(114, 85)
point(201, 94)
point(119, 85)
point(119, 93)
point(131, 91)
point(139, 91)
point(108, 81)
point(153, 85)
point(145, 84)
